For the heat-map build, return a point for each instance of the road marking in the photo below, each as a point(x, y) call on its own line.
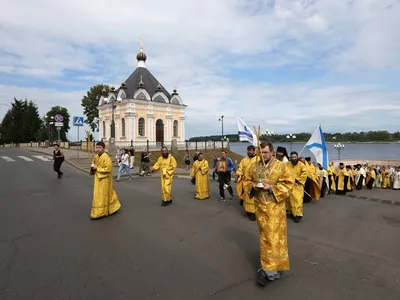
point(41, 157)
point(6, 158)
point(25, 158)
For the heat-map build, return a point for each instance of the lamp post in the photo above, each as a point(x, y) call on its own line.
point(339, 147)
point(113, 106)
point(222, 123)
point(290, 137)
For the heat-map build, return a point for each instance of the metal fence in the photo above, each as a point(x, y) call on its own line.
point(139, 146)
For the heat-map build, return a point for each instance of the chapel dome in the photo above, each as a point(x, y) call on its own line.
point(141, 56)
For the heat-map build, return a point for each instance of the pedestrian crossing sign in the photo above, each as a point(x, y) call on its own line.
point(78, 121)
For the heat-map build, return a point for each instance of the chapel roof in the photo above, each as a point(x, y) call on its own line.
point(151, 84)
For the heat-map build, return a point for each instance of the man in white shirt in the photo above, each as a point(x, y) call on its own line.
point(124, 164)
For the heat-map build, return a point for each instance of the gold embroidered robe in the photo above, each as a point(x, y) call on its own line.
point(331, 176)
point(271, 213)
point(105, 200)
point(386, 179)
point(248, 201)
point(167, 168)
point(295, 201)
point(314, 190)
point(200, 172)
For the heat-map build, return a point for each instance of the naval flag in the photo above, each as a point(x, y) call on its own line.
point(316, 144)
point(246, 134)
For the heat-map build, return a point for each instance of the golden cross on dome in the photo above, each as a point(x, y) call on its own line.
point(141, 42)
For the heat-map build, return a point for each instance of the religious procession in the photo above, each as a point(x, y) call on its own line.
point(271, 185)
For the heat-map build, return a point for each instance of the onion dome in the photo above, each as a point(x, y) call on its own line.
point(141, 56)
point(175, 92)
point(159, 87)
point(112, 89)
point(123, 85)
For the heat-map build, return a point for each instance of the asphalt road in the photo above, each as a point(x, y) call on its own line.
point(50, 249)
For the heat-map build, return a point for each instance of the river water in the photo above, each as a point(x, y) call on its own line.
point(349, 152)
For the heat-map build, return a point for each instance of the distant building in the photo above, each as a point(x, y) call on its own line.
point(143, 111)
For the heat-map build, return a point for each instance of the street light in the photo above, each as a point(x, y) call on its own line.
point(339, 147)
point(290, 137)
point(222, 136)
point(113, 105)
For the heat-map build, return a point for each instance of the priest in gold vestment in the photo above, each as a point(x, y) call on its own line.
point(341, 180)
point(298, 170)
point(242, 172)
point(312, 183)
point(105, 200)
point(277, 183)
point(166, 163)
point(331, 177)
point(200, 173)
point(385, 178)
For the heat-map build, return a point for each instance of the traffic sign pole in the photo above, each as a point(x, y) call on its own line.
point(78, 140)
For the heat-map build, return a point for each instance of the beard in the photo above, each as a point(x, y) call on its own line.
point(165, 155)
point(294, 161)
point(200, 159)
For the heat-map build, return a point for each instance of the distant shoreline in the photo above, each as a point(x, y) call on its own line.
point(343, 142)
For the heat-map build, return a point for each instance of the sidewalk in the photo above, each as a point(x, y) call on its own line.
point(84, 161)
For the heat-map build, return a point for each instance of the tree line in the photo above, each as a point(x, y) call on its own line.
point(348, 137)
point(23, 124)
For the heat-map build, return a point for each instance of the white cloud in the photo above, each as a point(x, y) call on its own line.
point(67, 46)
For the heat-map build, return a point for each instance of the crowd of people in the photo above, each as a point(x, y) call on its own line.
point(271, 186)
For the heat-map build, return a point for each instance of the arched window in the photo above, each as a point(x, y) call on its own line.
point(175, 101)
point(141, 126)
point(104, 128)
point(159, 99)
point(123, 127)
point(141, 96)
point(175, 128)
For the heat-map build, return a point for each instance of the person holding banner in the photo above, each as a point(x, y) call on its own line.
point(224, 168)
point(200, 173)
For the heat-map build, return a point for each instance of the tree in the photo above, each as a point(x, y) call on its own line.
point(50, 118)
point(21, 123)
point(90, 102)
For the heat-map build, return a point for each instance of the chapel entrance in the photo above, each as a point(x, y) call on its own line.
point(160, 133)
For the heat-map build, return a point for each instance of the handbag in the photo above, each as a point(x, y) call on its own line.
point(193, 180)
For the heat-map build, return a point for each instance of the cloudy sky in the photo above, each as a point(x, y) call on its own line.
point(287, 65)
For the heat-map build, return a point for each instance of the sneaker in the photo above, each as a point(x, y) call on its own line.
point(232, 195)
point(222, 199)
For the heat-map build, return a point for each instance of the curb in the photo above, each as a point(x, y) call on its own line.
point(66, 160)
point(180, 176)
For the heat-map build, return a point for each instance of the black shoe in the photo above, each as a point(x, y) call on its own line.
point(165, 203)
point(262, 277)
point(232, 196)
point(297, 219)
point(251, 216)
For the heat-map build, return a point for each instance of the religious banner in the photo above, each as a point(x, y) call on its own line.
point(222, 166)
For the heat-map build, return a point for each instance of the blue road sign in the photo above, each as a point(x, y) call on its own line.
point(78, 121)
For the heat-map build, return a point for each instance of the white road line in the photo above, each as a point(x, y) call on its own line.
point(25, 158)
point(49, 157)
point(6, 158)
point(41, 157)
